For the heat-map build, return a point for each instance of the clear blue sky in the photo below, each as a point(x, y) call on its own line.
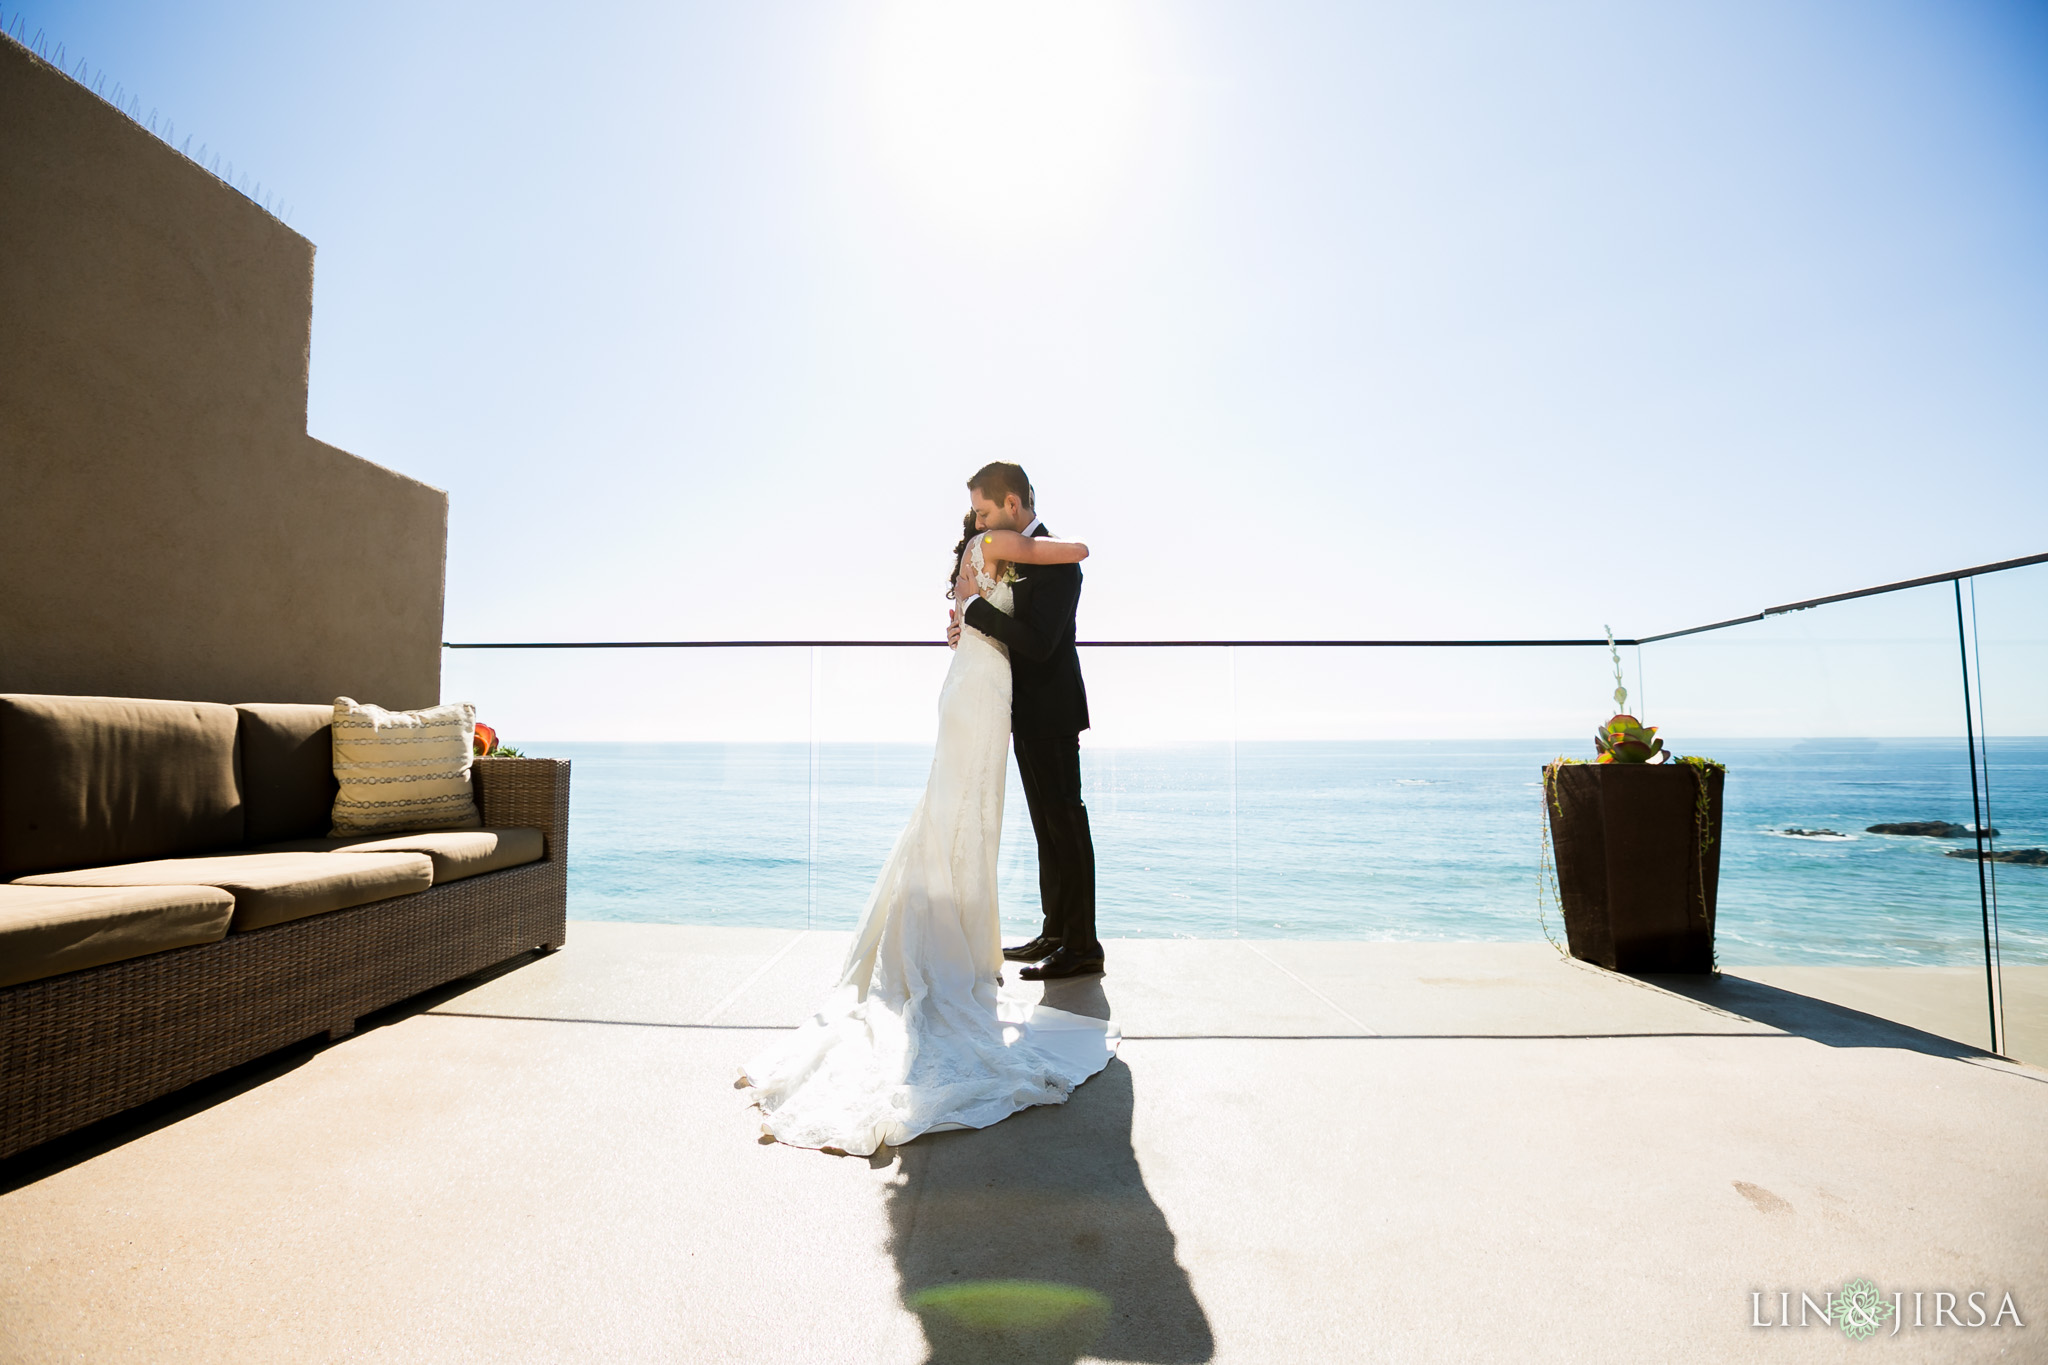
point(1315, 319)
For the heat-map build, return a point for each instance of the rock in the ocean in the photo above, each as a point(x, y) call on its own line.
point(1934, 829)
point(1817, 833)
point(2025, 857)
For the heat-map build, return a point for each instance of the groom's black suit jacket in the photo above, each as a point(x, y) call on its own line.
point(1046, 694)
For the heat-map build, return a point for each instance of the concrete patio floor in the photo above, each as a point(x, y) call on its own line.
point(1306, 1152)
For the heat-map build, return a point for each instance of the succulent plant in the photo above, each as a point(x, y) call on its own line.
point(486, 744)
point(1620, 692)
point(1624, 739)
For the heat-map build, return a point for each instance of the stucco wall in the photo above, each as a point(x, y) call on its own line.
point(167, 527)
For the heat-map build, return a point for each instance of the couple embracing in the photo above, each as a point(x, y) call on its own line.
point(918, 1035)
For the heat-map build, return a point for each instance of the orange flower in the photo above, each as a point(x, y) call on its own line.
point(486, 740)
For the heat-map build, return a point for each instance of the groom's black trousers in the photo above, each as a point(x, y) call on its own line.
point(1049, 766)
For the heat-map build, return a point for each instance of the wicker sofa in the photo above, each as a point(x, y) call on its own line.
point(170, 906)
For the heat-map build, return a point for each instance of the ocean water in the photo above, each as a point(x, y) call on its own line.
point(1368, 840)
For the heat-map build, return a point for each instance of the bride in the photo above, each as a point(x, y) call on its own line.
point(916, 1037)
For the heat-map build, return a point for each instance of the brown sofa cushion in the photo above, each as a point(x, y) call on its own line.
point(270, 888)
point(86, 781)
point(48, 930)
point(287, 770)
point(457, 853)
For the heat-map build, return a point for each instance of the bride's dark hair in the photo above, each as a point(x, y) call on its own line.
point(968, 531)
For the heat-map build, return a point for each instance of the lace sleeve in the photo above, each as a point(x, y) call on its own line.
point(982, 580)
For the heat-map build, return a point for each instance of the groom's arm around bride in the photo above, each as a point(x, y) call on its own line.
point(1046, 667)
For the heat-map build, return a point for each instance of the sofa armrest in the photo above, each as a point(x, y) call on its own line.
point(528, 792)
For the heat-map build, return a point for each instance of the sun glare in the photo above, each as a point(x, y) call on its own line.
point(1007, 119)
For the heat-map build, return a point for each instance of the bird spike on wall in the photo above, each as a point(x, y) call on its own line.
point(15, 28)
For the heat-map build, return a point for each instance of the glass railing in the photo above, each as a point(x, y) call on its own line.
point(2006, 624)
point(1379, 791)
point(1848, 781)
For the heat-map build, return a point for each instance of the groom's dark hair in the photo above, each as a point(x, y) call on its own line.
point(998, 480)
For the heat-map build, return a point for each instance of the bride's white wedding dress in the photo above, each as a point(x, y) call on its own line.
point(917, 1037)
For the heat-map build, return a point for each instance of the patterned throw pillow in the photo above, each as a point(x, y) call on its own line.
point(402, 770)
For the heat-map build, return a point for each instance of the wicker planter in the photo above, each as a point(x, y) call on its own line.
point(1634, 871)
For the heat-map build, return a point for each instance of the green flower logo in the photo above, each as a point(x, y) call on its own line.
point(1859, 1309)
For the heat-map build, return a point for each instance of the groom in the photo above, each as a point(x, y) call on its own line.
point(1048, 712)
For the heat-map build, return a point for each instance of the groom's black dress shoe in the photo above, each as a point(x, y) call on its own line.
point(1062, 964)
point(1034, 951)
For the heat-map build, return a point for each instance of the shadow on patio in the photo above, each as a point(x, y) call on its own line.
point(1052, 1195)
